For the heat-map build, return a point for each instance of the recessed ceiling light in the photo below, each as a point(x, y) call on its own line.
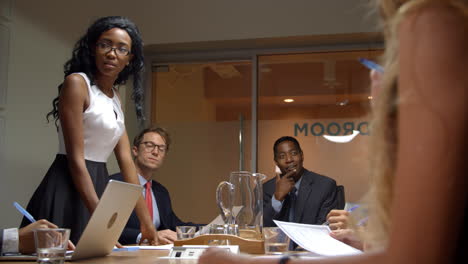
point(288, 100)
point(369, 97)
point(343, 103)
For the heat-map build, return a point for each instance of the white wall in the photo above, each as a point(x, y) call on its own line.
point(43, 33)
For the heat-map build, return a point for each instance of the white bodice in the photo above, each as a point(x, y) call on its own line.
point(103, 124)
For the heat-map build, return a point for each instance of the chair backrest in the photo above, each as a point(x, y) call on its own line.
point(340, 197)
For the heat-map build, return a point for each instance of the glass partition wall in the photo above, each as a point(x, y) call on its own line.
point(310, 96)
point(207, 109)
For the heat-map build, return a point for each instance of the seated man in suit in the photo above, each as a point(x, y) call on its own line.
point(150, 148)
point(297, 194)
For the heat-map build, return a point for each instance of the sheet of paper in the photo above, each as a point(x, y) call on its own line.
point(316, 239)
point(162, 247)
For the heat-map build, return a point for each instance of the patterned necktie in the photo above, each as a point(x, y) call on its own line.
point(149, 198)
point(292, 208)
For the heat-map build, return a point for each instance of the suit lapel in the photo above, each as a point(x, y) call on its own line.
point(304, 192)
point(157, 196)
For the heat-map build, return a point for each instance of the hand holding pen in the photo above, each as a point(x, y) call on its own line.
point(376, 76)
point(339, 219)
point(26, 234)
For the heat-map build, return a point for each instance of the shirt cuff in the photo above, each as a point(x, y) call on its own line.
point(277, 205)
point(10, 240)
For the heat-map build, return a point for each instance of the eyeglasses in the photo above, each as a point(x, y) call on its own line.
point(150, 147)
point(106, 47)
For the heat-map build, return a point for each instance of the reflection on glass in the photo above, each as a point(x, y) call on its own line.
point(342, 139)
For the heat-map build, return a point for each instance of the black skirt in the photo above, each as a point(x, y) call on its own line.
point(57, 200)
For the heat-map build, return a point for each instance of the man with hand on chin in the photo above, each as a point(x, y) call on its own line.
point(297, 194)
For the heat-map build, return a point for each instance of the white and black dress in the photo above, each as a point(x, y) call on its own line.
point(56, 199)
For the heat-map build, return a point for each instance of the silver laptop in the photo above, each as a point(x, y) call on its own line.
point(105, 225)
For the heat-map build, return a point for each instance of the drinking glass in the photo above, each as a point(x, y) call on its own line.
point(276, 241)
point(51, 245)
point(185, 232)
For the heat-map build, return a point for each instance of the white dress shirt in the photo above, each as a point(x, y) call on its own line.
point(10, 242)
point(156, 218)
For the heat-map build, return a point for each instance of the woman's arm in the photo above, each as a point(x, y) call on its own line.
point(73, 101)
point(127, 167)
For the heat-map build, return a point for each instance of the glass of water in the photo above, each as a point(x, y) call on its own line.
point(276, 241)
point(222, 229)
point(51, 245)
point(185, 232)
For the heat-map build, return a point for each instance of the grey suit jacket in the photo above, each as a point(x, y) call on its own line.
point(316, 198)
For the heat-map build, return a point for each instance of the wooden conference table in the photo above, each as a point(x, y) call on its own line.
point(126, 257)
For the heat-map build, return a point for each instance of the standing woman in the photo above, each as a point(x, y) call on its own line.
point(90, 124)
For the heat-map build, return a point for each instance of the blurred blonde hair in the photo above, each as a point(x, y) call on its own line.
point(383, 142)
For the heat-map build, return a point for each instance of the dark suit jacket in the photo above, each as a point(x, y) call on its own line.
point(169, 219)
point(316, 197)
point(1, 240)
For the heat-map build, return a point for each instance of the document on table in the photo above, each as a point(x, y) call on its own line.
point(162, 247)
point(316, 239)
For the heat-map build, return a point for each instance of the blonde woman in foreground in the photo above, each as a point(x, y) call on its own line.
point(419, 211)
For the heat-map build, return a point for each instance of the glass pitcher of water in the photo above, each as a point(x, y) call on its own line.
point(241, 202)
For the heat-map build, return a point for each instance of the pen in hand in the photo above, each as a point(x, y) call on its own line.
point(371, 65)
point(24, 212)
point(363, 221)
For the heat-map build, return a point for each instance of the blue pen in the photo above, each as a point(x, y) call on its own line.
point(353, 208)
point(24, 212)
point(371, 65)
point(363, 221)
point(349, 210)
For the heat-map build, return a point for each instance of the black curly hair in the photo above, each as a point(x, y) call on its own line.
point(83, 60)
point(283, 139)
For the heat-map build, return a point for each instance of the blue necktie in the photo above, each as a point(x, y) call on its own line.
point(292, 211)
point(292, 204)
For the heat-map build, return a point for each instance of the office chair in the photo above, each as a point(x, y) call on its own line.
point(340, 197)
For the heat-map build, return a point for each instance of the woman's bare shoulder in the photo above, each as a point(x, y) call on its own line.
point(75, 90)
point(436, 15)
point(433, 52)
point(74, 83)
